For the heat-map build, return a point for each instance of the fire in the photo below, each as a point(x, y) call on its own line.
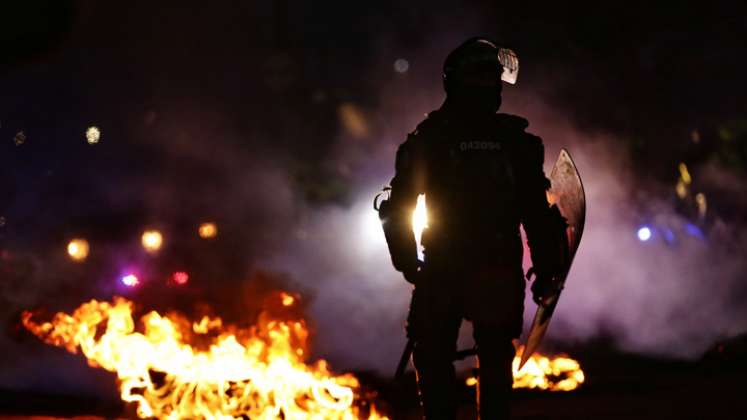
point(172, 368)
point(554, 374)
point(287, 299)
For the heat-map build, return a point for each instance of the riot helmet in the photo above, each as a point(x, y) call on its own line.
point(482, 62)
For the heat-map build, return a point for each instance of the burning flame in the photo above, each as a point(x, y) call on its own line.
point(554, 374)
point(177, 369)
point(287, 299)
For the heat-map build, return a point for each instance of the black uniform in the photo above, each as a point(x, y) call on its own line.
point(482, 176)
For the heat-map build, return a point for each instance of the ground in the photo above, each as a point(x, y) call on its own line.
point(618, 387)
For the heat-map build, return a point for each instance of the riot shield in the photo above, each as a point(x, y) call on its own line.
point(567, 193)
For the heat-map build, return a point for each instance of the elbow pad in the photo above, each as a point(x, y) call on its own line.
point(400, 238)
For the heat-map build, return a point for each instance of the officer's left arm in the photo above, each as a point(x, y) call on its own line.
point(406, 186)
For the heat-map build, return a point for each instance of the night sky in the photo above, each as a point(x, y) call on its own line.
point(279, 121)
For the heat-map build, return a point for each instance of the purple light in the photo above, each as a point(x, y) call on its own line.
point(694, 230)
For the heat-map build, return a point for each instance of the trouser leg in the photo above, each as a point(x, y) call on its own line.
point(435, 327)
point(495, 355)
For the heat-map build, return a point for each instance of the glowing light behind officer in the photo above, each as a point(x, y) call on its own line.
point(419, 222)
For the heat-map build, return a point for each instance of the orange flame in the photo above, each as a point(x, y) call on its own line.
point(255, 372)
point(541, 372)
point(287, 299)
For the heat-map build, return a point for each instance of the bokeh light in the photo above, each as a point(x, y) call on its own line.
point(208, 230)
point(353, 120)
point(644, 233)
point(694, 231)
point(19, 138)
point(130, 280)
point(152, 240)
point(401, 65)
point(700, 200)
point(78, 249)
point(180, 277)
point(93, 134)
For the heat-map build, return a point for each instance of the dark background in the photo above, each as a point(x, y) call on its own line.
point(278, 119)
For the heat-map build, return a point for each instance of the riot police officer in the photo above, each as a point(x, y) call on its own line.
point(482, 177)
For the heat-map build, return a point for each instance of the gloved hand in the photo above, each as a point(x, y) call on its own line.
point(542, 287)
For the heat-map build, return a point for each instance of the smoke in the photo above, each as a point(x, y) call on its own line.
point(671, 298)
point(296, 204)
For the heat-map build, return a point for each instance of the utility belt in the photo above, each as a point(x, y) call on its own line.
point(486, 246)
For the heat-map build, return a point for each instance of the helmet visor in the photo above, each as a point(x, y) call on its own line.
point(510, 63)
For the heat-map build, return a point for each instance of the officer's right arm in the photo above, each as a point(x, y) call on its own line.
point(406, 185)
point(545, 232)
point(536, 216)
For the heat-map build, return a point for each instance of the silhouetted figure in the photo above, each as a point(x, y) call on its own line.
point(482, 176)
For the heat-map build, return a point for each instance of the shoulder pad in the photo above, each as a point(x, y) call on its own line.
point(532, 140)
point(432, 123)
point(533, 146)
point(513, 122)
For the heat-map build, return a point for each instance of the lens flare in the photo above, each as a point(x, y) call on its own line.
point(152, 240)
point(208, 230)
point(78, 249)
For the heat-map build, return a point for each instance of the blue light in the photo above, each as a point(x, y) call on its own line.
point(644, 233)
point(694, 230)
